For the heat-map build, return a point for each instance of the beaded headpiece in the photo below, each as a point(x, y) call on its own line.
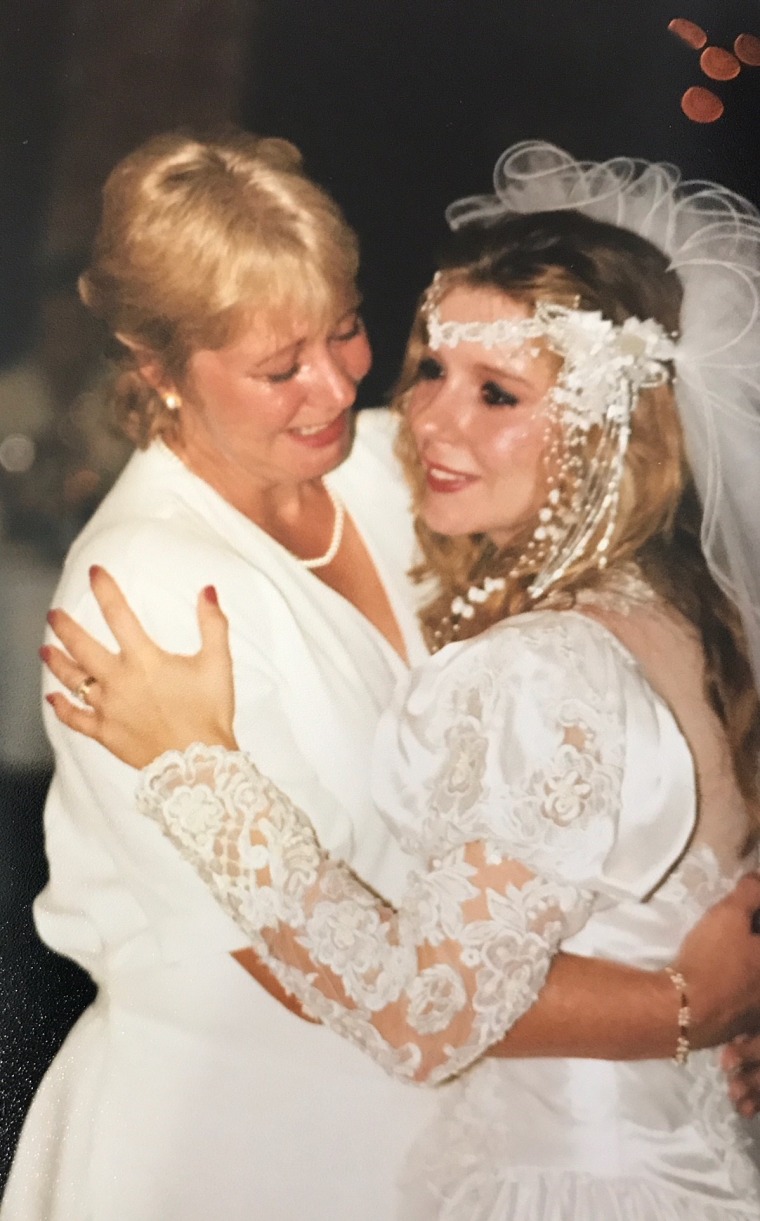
point(604, 368)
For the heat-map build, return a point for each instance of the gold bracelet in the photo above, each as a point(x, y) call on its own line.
point(683, 1046)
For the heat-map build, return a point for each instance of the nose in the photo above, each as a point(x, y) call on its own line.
point(331, 382)
point(435, 411)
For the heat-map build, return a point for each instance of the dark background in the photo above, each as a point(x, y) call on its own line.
point(399, 106)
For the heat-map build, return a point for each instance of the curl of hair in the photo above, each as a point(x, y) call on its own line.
point(571, 259)
point(199, 239)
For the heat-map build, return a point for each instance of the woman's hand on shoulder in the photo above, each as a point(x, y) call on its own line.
point(142, 701)
point(720, 961)
point(741, 1063)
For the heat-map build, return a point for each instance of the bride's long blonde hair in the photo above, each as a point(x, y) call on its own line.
point(570, 259)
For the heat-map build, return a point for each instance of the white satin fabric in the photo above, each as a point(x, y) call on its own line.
point(581, 1140)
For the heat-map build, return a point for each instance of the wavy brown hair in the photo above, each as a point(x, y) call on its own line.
point(570, 259)
point(199, 239)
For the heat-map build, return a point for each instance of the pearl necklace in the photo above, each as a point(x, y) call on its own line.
point(336, 538)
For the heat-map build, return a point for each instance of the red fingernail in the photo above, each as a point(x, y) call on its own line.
point(44, 652)
point(95, 569)
point(211, 595)
point(50, 699)
point(50, 616)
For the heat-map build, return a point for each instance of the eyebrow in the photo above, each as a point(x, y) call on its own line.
point(501, 372)
point(294, 347)
point(297, 344)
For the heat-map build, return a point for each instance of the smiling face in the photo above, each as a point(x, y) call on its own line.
point(481, 424)
point(273, 407)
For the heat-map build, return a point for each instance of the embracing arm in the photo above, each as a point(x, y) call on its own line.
point(586, 1007)
point(423, 990)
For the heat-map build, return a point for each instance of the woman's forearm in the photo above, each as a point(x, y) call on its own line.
point(587, 1008)
point(610, 1011)
point(600, 1010)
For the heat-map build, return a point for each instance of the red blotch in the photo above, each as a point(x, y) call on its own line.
point(701, 105)
point(690, 33)
point(747, 48)
point(719, 65)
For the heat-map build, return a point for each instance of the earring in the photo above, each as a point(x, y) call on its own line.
point(172, 402)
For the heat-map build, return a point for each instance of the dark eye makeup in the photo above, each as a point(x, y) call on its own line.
point(492, 392)
point(495, 395)
point(429, 369)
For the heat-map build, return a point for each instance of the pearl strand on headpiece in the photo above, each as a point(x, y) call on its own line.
point(336, 538)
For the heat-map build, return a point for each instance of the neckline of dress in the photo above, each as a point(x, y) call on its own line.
point(296, 564)
point(339, 508)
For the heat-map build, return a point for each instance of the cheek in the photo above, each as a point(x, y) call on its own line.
point(243, 408)
point(358, 359)
point(516, 445)
point(418, 401)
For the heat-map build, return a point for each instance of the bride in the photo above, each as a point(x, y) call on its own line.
point(576, 763)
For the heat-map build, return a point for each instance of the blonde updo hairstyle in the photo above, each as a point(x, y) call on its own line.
point(573, 260)
point(198, 239)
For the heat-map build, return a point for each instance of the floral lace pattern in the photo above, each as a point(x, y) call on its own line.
point(427, 989)
point(424, 991)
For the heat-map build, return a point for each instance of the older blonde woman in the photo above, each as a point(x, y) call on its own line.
point(188, 1090)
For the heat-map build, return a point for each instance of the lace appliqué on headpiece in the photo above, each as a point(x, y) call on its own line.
point(598, 355)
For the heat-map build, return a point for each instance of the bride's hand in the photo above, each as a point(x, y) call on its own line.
point(142, 700)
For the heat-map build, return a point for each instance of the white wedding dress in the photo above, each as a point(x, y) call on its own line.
point(549, 796)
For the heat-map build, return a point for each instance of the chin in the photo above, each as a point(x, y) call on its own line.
point(448, 524)
point(322, 461)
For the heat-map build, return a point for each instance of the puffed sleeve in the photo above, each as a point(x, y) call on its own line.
point(543, 732)
point(508, 760)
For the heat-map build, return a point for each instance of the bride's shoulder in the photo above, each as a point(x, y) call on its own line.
point(557, 641)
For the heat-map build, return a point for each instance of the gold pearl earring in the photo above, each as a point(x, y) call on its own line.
point(172, 402)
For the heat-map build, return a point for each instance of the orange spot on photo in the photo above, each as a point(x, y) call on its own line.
point(701, 105)
point(689, 32)
point(718, 64)
point(747, 49)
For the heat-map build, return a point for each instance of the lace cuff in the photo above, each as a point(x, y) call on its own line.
point(424, 990)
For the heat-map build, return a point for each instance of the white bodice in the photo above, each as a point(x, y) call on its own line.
point(548, 793)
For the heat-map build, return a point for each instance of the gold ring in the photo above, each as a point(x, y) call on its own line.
point(83, 690)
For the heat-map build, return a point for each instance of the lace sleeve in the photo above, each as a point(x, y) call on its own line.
point(424, 990)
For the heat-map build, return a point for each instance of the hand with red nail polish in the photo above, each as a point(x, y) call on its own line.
point(143, 700)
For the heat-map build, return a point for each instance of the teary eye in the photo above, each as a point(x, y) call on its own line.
point(352, 327)
point(285, 376)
